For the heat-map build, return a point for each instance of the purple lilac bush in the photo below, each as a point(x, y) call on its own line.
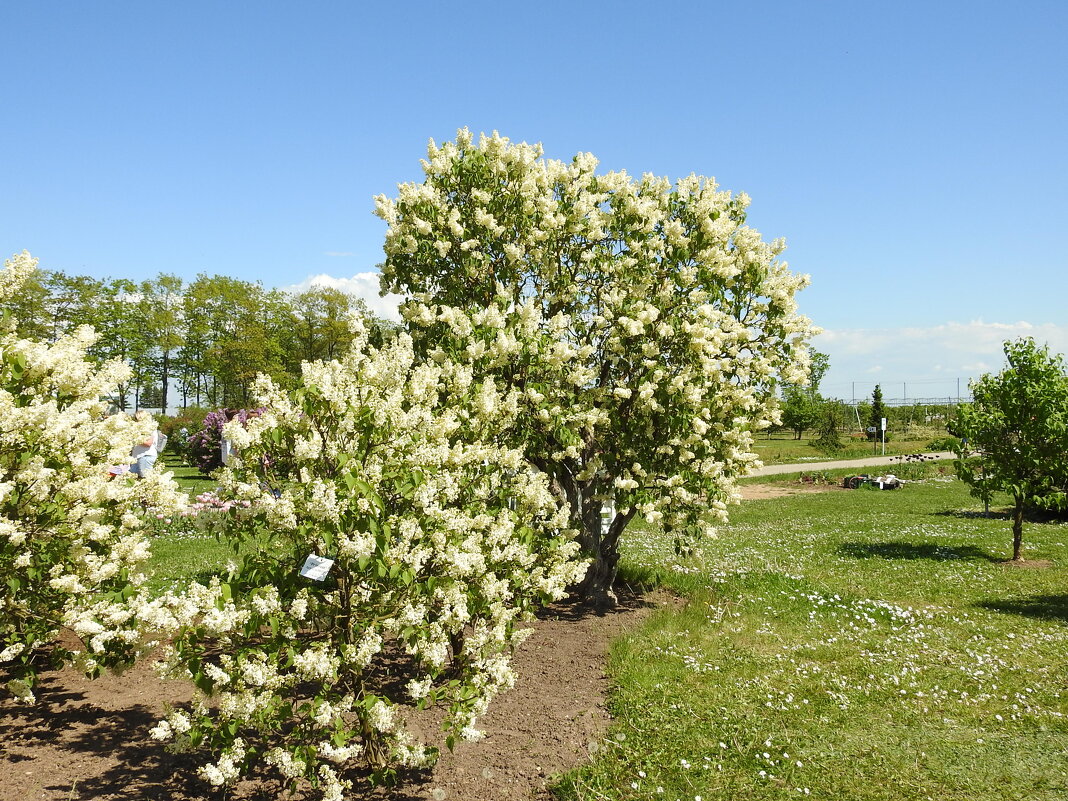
point(205, 446)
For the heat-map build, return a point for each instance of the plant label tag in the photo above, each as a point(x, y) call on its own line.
point(316, 567)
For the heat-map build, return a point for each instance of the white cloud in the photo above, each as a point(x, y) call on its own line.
point(923, 362)
point(362, 285)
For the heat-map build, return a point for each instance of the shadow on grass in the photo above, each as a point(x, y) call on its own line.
point(1030, 515)
point(912, 550)
point(1043, 607)
point(976, 514)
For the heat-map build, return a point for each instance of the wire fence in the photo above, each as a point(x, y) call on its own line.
point(898, 402)
point(915, 392)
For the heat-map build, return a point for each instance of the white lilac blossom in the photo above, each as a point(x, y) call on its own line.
point(643, 324)
point(441, 541)
point(71, 538)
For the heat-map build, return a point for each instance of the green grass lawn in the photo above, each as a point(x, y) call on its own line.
point(845, 645)
point(782, 448)
point(188, 478)
point(180, 551)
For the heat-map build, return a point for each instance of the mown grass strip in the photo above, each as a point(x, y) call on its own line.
point(848, 644)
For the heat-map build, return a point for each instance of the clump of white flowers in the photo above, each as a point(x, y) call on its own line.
point(644, 325)
point(71, 541)
point(440, 540)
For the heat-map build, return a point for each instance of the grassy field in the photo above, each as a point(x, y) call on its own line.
point(846, 645)
point(782, 448)
point(180, 551)
point(189, 479)
point(842, 645)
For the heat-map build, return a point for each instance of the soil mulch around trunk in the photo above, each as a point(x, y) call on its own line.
point(89, 739)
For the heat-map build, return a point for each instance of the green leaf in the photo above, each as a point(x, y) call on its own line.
point(203, 682)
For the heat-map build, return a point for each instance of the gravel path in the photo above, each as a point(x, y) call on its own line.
point(871, 461)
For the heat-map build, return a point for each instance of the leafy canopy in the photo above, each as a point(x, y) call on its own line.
point(644, 324)
point(1015, 432)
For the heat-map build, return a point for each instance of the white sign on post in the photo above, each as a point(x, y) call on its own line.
point(316, 567)
point(608, 514)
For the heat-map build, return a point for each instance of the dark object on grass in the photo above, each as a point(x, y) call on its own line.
point(887, 482)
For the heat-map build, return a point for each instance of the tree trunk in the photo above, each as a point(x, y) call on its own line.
point(166, 375)
point(600, 547)
point(596, 587)
point(1017, 529)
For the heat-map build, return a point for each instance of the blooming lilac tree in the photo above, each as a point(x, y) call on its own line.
point(71, 540)
point(439, 541)
point(643, 324)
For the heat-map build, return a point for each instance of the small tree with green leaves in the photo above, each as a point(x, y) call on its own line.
point(828, 440)
point(1015, 433)
point(802, 406)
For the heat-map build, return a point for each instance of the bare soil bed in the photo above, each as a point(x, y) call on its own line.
point(753, 492)
point(88, 739)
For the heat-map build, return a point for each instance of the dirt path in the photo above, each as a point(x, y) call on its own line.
point(88, 739)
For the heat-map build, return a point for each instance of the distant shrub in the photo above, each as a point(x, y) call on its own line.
point(916, 466)
point(829, 441)
point(946, 443)
point(179, 428)
point(205, 446)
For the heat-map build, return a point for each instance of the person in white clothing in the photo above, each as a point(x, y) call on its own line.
point(145, 453)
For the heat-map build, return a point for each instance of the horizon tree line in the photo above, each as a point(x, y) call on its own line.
point(200, 343)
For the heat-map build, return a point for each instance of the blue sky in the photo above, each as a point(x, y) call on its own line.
point(912, 154)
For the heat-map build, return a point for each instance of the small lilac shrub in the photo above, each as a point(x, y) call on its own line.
point(204, 448)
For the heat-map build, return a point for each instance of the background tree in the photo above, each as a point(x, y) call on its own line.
point(830, 418)
point(159, 310)
point(645, 324)
point(233, 328)
point(320, 327)
point(73, 301)
point(1015, 433)
point(877, 413)
point(802, 406)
